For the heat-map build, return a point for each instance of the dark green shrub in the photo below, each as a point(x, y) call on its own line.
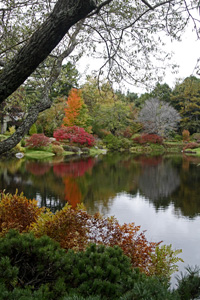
point(188, 285)
point(100, 270)
point(150, 288)
point(28, 261)
point(24, 294)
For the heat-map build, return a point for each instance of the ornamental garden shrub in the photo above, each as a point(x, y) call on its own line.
point(16, 211)
point(74, 135)
point(148, 138)
point(38, 141)
point(33, 129)
point(57, 149)
point(191, 145)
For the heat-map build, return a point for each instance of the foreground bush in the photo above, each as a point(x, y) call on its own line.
point(32, 267)
point(17, 212)
point(30, 262)
point(188, 286)
point(76, 229)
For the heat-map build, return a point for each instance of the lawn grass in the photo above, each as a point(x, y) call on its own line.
point(195, 151)
point(38, 154)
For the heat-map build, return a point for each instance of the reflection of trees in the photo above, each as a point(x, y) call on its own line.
point(36, 168)
point(113, 174)
point(39, 185)
point(158, 182)
point(186, 199)
point(97, 181)
point(72, 191)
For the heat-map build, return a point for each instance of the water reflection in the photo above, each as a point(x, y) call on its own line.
point(159, 193)
point(161, 180)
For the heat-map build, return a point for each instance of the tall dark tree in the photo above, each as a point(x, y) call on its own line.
point(186, 99)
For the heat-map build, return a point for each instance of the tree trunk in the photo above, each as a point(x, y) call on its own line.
point(65, 14)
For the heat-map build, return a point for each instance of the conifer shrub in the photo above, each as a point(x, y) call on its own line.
point(100, 270)
point(188, 284)
point(29, 262)
point(17, 212)
point(33, 129)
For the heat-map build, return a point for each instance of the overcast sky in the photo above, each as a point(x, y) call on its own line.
point(185, 55)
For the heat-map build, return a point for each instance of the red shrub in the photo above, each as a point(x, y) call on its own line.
point(38, 141)
point(148, 138)
point(74, 134)
point(191, 146)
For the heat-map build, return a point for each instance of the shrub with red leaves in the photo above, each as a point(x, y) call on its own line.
point(191, 146)
point(74, 135)
point(148, 138)
point(38, 140)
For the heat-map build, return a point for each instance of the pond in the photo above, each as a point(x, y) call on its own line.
point(162, 193)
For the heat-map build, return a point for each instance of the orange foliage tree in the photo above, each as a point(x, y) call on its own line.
point(74, 104)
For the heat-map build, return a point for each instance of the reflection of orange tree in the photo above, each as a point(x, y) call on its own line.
point(72, 191)
point(70, 171)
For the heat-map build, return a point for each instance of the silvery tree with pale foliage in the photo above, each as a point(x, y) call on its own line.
point(158, 117)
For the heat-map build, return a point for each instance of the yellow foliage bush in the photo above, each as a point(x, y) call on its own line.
point(16, 211)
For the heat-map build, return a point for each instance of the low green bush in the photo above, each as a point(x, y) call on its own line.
point(188, 284)
point(26, 261)
point(37, 268)
point(56, 149)
point(112, 142)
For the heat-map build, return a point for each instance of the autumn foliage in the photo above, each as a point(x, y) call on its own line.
point(37, 140)
point(74, 104)
point(74, 135)
point(76, 229)
point(16, 211)
point(74, 168)
point(186, 135)
point(148, 138)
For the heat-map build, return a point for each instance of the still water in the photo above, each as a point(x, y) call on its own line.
point(162, 194)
